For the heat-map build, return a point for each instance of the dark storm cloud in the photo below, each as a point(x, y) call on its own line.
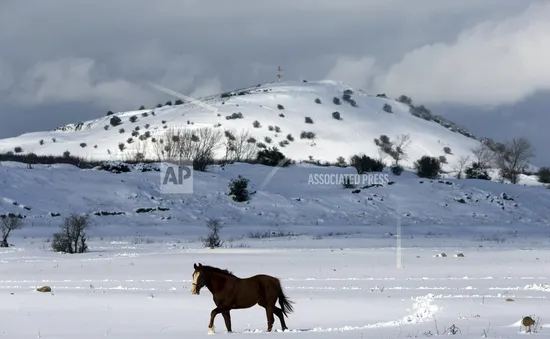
point(62, 59)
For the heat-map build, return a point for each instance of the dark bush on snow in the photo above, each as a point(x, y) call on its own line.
point(49, 159)
point(307, 135)
point(476, 171)
point(238, 189)
point(115, 121)
point(543, 175)
point(405, 99)
point(234, 116)
point(272, 157)
point(397, 169)
point(363, 163)
point(428, 167)
point(113, 167)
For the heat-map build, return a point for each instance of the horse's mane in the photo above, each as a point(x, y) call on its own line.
point(218, 270)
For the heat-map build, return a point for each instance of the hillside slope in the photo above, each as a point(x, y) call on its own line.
point(289, 202)
point(362, 120)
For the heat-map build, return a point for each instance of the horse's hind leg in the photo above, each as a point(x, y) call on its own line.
point(269, 310)
point(279, 313)
point(270, 319)
point(227, 319)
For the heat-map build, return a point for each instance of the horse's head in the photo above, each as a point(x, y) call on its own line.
point(198, 279)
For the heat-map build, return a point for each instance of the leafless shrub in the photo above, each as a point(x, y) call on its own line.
point(213, 240)
point(72, 235)
point(483, 155)
point(241, 148)
point(462, 162)
point(512, 158)
point(395, 149)
point(7, 225)
point(197, 145)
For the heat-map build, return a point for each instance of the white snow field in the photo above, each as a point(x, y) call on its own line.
point(132, 289)
point(353, 133)
point(336, 253)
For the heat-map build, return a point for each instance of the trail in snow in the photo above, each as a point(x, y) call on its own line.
point(423, 310)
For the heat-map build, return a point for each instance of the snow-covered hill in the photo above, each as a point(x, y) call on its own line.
point(280, 108)
point(290, 202)
point(286, 201)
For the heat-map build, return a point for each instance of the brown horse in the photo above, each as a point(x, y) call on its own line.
point(231, 292)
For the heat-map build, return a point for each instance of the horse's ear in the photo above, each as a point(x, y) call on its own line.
point(200, 265)
point(195, 266)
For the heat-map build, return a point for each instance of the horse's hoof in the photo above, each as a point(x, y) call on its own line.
point(211, 331)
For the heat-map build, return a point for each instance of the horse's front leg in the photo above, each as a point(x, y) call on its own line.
point(212, 316)
point(227, 319)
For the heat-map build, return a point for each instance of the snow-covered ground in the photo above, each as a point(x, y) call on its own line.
point(344, 288)
point(364, 264)
point(288, 201)
point(358, 262)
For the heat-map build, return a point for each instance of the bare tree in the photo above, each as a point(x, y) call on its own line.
point(72, 236)
point(395, 149)
point(174, 144)
point(197, 145)
point(204, 149)
point(461, 163)
point(167, 145)
point(401, 143)
point(7, 225)
point(213, 240)
point(185, 144)
point(140, 151)
point(513, 157)
point(381, 154)
point(240, 148)
point(483, 155)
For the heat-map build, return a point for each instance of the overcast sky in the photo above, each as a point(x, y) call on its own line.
point(481, 63)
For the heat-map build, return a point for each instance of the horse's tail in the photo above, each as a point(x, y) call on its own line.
point(284, 302)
